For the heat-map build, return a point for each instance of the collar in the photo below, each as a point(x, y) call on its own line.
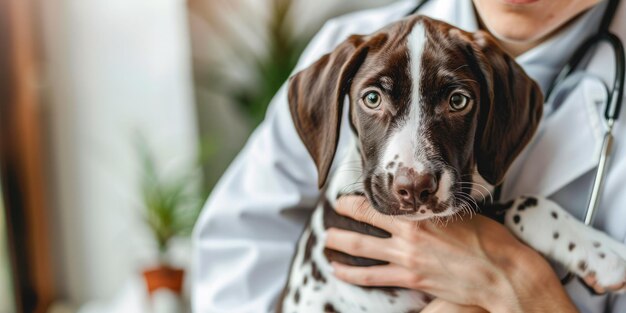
point(459, 13)
point(543, 65)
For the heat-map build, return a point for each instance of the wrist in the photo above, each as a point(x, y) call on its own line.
point(528, 284)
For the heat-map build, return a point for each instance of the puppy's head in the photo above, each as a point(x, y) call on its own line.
point(430, 104)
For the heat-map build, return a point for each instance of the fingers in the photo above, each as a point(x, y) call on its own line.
point(439, 305)
point(379, 275)
point(592, 283)
point(360, 245)
point(359, 208)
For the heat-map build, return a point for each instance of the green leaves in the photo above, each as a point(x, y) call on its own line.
point(171, 204)
point(269, 71)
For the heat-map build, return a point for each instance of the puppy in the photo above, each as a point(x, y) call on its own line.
point(436, 114)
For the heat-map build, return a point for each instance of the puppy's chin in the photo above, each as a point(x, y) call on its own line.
point(423, 212)
point(384, 206)
point(415, 217)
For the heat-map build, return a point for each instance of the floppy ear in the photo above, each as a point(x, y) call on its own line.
point(316, 97)
point(510, 110)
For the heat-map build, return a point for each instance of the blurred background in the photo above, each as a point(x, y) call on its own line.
point(116, 119)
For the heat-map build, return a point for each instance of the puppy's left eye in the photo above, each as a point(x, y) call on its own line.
point(458, 101)
point(372, 99)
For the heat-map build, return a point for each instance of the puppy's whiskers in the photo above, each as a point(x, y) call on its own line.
point(471, 185)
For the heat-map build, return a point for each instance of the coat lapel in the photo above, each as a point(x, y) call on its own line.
point(569, 139)
point(459, 13)
point(565, 147)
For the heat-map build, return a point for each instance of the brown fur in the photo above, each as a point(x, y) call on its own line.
point(506, 112)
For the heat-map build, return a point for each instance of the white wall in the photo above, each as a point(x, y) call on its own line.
point(112, 67)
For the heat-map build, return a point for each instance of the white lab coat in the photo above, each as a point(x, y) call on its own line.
point(246, 235)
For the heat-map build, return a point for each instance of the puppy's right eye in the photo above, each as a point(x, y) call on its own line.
point(458, 101)
point(372, 99)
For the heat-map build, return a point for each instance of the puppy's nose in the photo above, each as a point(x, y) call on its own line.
point(413, 188)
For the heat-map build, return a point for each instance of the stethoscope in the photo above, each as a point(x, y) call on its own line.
point(569, 77)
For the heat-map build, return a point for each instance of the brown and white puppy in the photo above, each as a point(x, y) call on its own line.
point(435, 111)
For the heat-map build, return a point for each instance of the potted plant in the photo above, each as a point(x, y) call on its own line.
point(171, 205)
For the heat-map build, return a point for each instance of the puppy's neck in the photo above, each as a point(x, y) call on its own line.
point(348, 175)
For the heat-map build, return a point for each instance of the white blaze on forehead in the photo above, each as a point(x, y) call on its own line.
point(404, 142)
point(406, 145)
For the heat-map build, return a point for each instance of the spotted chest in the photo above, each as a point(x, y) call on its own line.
point(312, 288)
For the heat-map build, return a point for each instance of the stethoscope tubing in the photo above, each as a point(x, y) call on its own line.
point(616, 96)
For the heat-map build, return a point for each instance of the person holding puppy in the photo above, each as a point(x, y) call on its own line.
point(245, 238)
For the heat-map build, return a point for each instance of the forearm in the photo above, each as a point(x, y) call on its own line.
point(528, 284)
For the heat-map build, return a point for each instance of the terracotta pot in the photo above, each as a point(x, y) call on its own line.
point(164, 277)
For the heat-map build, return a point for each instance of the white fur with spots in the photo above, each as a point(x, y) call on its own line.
point(316, 295)
point(548, 228)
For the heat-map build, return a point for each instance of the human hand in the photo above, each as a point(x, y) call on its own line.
point(474, 262)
